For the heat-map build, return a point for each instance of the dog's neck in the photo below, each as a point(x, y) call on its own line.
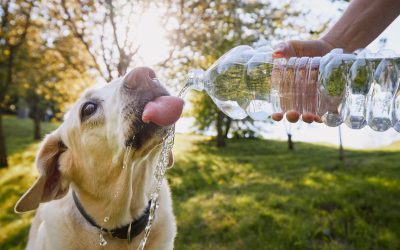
point(118, 199)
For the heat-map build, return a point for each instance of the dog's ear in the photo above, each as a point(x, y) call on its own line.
point(50, 184)
point(170, 159)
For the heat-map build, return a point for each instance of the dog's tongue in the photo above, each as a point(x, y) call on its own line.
point(163, 111)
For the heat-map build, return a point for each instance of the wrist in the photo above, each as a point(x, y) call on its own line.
point(328, 45)
point(332, 43)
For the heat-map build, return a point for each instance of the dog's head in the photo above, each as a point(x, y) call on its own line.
point(88, 148)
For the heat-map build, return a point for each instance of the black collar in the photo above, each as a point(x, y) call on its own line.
point(135, 227)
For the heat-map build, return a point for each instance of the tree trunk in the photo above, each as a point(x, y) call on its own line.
point(3, 151)
point(227, 127)
point(290, 142)
point(8, 82)
point(288, 128)
point(341, 151)
point(221, 140)
point(35, 115)
point(36, 126)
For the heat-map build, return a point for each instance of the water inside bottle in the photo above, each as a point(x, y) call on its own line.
point(258, 81)
point(360, 81)
point(227, 82)
point(310, 88)
point(383, 93)
point(335, 88)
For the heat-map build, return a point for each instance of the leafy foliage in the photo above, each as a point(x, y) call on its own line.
point(52, 76)
point(208, 29)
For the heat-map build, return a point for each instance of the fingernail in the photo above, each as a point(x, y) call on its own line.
point(279, 50)
point(280, 47)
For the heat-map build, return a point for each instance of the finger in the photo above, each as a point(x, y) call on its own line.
point(277, 116)
point(283, 50)
point(309, 48)
point(308, 117)
point(317, 119)
point(292, 116)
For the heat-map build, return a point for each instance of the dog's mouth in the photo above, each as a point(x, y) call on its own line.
point(156, 117)
point(142, 133)
point(149, 108)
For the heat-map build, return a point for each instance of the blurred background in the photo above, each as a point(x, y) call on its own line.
point(235, 184)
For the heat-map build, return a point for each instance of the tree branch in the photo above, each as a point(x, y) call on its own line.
point(103, 48)
point(4, 20)
point(114, 27)
point(80, 36)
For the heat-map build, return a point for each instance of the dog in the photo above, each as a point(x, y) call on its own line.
point(86, 196)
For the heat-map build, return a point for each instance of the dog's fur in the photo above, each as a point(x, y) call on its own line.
point(85, 154)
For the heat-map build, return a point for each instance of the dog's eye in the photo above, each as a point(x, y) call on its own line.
point(88, 109)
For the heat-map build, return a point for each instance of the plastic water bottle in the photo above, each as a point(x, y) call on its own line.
point(357, 89)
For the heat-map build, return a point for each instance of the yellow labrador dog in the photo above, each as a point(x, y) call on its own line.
point(84, 192)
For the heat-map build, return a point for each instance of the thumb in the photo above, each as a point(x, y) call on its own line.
point(299, 48)
point(284, 50)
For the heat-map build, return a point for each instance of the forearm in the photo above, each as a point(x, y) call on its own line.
point(361, 23)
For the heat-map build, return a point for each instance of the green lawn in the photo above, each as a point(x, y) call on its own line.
point(254, 194)
point(15, 180)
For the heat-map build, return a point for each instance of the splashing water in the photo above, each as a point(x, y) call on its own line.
point(126, 156)
point(102, 241)
point(159, 174)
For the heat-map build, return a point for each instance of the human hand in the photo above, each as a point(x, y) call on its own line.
point(296, 48)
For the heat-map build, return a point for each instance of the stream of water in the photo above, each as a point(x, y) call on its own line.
point(159, 174)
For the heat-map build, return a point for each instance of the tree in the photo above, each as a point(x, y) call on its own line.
point(14, 24)
point(50, 75)
point(210, 28)
point(341, 150)
point(288, 127)
point(105, 29)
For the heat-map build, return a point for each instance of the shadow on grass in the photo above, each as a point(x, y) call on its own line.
point(254, 194)
point(17, 240)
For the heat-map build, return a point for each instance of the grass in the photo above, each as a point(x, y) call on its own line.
point(16, 179)
point(254, 194)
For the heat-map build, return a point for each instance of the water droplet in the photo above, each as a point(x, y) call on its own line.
point(159, 174)
point(126, 157)
point(102, 241)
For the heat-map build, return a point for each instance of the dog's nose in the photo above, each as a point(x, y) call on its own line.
point(139, 75)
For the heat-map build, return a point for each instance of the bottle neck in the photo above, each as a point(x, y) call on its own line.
point(196, 79)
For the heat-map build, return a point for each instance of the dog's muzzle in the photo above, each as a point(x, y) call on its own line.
point(140, 86)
